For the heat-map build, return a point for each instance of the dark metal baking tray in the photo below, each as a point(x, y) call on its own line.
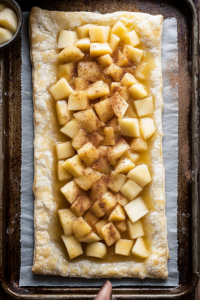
point(188, 168)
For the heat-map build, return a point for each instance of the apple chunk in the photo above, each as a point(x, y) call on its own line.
point(124, 165)
point(71, 191)
point(114, 41)
point(138, 91)
point(99, 225)
point(62, 173)
point(83, 31)
point(66, 38)
point(128, 80)
point(121, 199)
point(135, 229)
point(109, 137)
point(8, 19)
point(147, 127)
point(144, 107)
point(71, 128)
point(74, 248)
point(104, 110)
point(80, 228)
point(140, 249)
point(88, 120)
point(123, 247)
point(81, 205)
point(120, 30)
point(88, 154)
point(71, 53)
point(121, 226)
point(99, 33)
point(97, 90)
point(131, 189)
point(61, 89)
point(118, 214)
point(129, 127)
point(116, 181)
point(140, 174)
point(78, 101)
point(136, 209)
point(66, 217)
point(133, 54)
point(132, 38)
point(98, 49)
point(89, 177)
point(119, 105)
point(63, 113)
point(131, 155)
point(88, 70)
point(67, 71)
point(110, 234)
point(74, 166)
point(83, 44)
point(64, 150)
point(121, 60)
point(80, 84)
point(96, 249)
point(5, 35)
point(105, 60)
point(114, 71)
point(139, 144)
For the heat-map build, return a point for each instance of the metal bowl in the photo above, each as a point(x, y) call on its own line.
point(17, 10)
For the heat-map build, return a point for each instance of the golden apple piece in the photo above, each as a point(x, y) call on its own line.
point(136, 209)
point(133, 54)
point(71, 191)
point(103, 150)
point(64, 150)
point(99, 187)
point(90, 238)
point(78, 101)
point(81, 205)
point(131, 155)
point(115, 87)
point(66, 217)
point(88, 120)
point(114, 124)
point(80, 228)
point(8, 19)
point(124, 247)
point(118, 214)
point(5, 35)
point(139, 144)
point(135, 229)
point(99, 33)
point(95, 138)
point(61, 89)
point(108, 202)
point(138, 91)
point(97, 209)
point(71, 128)
point(88, 153)
point(104, 110)
point(83, 31)
point(98, 49)
point(129, 127)
point(99, 225)
point(116, 181)
point(90, 217)
point(74, 166)
point(67, 71)
point(128, 80)
point(124, 166)
point(66, 38)
point(130, 113)
point(63, 113)
point(70, 54)
point(117, 150)
point(62, 172)
point(124, 93)
point(97, 90)
point(105, 60)
point(120, 30)
point(109, 136)
point(132, 38)
point(144, 107)
point(121, 226)
point(114, 71)
point(147, 127)
point(114, 41)
point(89, 70)
point(131, 189)
point(73, 247)
point(89, 177)
point(119, 105)
point(140, 174)
point(140, 249)
point(96, 249)
point(121, 60)
point(110, 234)
point(80, 138)
point(121, 199)
point(102, 165)
point(80, 84)
point(83, 44)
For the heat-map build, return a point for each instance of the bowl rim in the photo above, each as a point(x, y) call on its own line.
point(19, 26)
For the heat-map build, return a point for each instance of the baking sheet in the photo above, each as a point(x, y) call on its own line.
point(170, 141)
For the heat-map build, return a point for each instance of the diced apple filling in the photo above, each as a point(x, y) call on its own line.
point(104, 110)
point(96, 249)
point(83, 44)
point(121, 60)
point(135, 229)
point(114, 41)
point(71, 191)
point(98, 49)
point(140, 249)
point(67, 71)
point(140, 174)
point(90, 217)
point(88, 153)
point(118, 214)
point(97, 90)
point(123, 247)
point(133, 54)
point(136, 209)
point(66, 38)
point(66, 219)
point(63, 113)
point(124, 165)
point(83, 31)
point(132, 38)
point(99, 33)
point(90, 176)
point(109, 137)
point(121, 199)
point(88, 120)
point(80, 228)
point(74, 247)
point(90, 238)
point(128, 80)
point(64, 150)
point(99, 225)
point(131, 189)
point(71, 128)
point(131, 155)
point(81, 205)
point(144, 107)
point(99, 188)
point(61, 89)
point(120, 30)
point(105, 60)
point(121, 226)
point(89, 70)
point(119, 105)
point(74, 166)
point(71, 53)
point(147, 127)
point(62, 172)
point(116, 181)
point(110, 234)
point(129, 127)
point(80, 84)
point(114, 71)
point(139, 144)
point(138, 91)
point(78, 101)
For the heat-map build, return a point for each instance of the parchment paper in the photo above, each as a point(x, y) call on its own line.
point(170, 141)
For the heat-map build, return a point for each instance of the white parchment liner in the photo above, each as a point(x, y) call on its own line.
point(170, 141)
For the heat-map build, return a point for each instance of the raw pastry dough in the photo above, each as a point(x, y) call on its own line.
point(50, 256)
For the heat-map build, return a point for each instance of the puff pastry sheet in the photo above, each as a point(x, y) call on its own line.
point(50, 256)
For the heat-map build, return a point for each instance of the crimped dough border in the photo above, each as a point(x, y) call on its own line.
point(49, 258)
